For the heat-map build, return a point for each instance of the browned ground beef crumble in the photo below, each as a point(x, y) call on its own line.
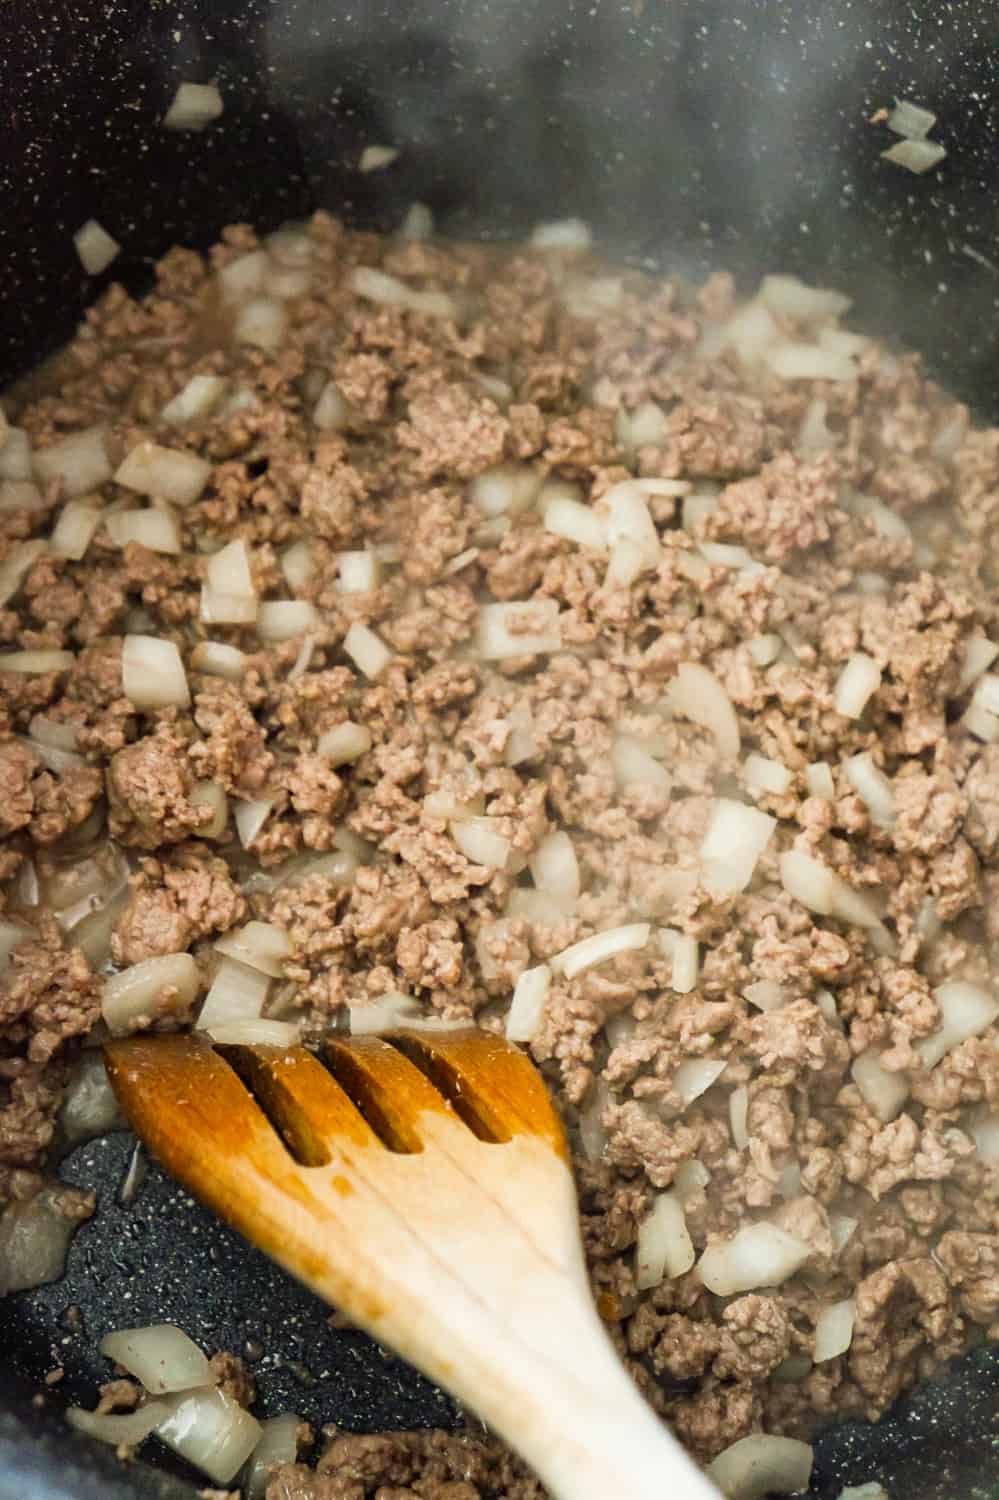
point(425, 416)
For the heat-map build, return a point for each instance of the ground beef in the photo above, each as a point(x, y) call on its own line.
point(233, 1378)
point(812, 521)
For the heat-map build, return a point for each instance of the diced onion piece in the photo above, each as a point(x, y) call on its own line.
point(664, 1247)
point(643, 427)
point(11, 933)
point(237, 993)
point(250, 816)
point(562, 234)
point(695, 1075)
point(283, 619)
point(814, 435)
point(199, 396)
point(555, 869)
point(366, 650)
point(633, 765)
point(373, 158)
point(725, 555)
point(823, 892)
point(696, 694)
point(738, 1115)
point(95, 247)
point(89, 1107)
point(986, 694)
point(253, 1033)
point(227, 573)
point(736, 837)
point(872, 1490)
point(391, 1011)
point(53, 734)
point(521, 743)
point(119, 1429)
point(278, 1445)
point(499, 634)
point(505, 490)
point(979, 654)
point(883, 1092)
point(751, 331)
point(57, 760)
point(766, 994)
point(682, 949)
point(872, 787)
point(297, 565)
point(211, 794)
point(911, 120)
point(32, 662)
point(916, 156)
point(194, 106)
point(576, 522)
point(161, 1357)
point(358, 572)
point(155, 529)
point(765, 775)
point(216, 659)
point(966, 1010)
point(389, 291)
point(819, 780)
point(629, 520)
point(79, 461)
point(19, 494)
point(981, 723)
point(152, 673)
point(793, 361)
point(691, 1177)
point(841, 1227)
point(16, 566)
point(212, 1431)
point(418, 223)
point(262, 321)
point(697, 507)
point(791, 298)
point(757, 1255)
point(627, 562)
point(764, 649)
point(348, 741)
point(244, 277)
point(478, 841)
point(285, 282)
point(16, 463)
point(527, 1006)
point(834, 1330)
point(534, 906)
point(790, 1181)
point(332, 410)
point(984, 1132)
point(600, 947)
point(164, 473)
point(132, 995)
point(260, 945)
point(762, 1465)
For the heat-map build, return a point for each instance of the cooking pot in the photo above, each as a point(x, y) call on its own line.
point(691, 134)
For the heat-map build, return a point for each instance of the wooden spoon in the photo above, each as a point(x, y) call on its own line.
point(421, 1183)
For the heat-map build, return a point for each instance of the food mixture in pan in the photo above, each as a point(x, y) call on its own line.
point(380, 620)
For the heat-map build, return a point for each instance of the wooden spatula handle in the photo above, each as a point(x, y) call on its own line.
point(590, 1435)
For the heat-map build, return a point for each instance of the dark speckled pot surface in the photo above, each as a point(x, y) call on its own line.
point(691, 135)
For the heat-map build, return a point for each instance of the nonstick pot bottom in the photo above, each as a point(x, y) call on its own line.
point(163, 1258)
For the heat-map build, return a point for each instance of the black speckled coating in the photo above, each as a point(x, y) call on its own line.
point(690, 133)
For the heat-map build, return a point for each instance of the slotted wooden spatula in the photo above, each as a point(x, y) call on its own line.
point(421, 1184)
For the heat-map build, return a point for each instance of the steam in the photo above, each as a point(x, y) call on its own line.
point(692, 137)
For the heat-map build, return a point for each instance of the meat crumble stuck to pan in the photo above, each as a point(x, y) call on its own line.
point(381, 618)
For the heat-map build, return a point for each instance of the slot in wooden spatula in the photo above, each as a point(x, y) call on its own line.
point(421, 1183)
